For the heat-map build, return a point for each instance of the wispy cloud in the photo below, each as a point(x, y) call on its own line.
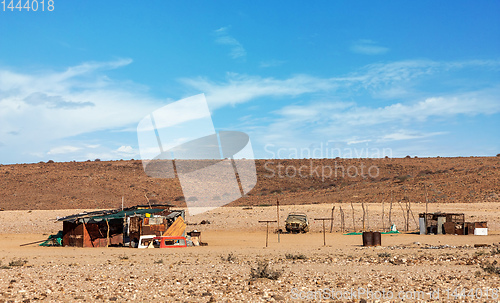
point(368, 47)
point(363, 118)
point(300, 125)
point(54, 101)
point(37, 107)
point(271, 63)
point(408, 135)
point(382, 80)
point(223, 37)
point(243, 88)
point(63, 150)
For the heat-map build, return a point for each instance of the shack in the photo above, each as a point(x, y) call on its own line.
point(450, 223)
point(118, 227)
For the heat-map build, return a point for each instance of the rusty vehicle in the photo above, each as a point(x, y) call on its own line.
point(152, 241)
point(169, 242)
point(297, 223)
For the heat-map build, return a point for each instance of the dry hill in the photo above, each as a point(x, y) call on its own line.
point(101, 184)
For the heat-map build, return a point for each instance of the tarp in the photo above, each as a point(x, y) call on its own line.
point(128, 213)
point(53, 240)
point(384, 233)
point(97, 216)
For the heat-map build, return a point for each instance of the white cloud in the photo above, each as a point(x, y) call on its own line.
point(92, 145)
point(352, 142)
point(223, 37)
point(242, 88)
point(408, 135)
point(37, 109)
point(43, 107)
point(39, 98)
point(63, 150)
point(126, 150)
point(368, 47)
point(271, 63)
point(469, 103)
point(301, 125)
point(381, 80)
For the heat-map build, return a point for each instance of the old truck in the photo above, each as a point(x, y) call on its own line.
point(152, 241)
point(297, 223)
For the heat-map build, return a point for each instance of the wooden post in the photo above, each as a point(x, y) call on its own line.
point(278, 215)
point(146, 195)
point(267, 228)
point(383, 224)
point(408, 215)
point(107, 234)
point(404, 217)
point(331, 223)
point(367, 217)
point(390, 213)
point(363, 207)
point(353, 223)
point(426, 200)
point(341, 219)
point(267, 232)
point(413, 216)
point(324, 236)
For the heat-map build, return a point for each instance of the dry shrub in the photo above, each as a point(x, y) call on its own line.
point(296, 257)
point(491, 268)
point(230, 258)
point(18, 262)
point(264, 272)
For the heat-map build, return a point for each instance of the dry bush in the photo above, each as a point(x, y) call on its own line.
point(230, 258)
point(18, 262)
point(264, 272)
point(491, 268)
point(296, 257)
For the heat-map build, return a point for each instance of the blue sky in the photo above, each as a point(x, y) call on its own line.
point(344, 78)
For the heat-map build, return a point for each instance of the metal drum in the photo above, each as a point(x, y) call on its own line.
point(377, 238)
point(372, 238)
point(368, 238)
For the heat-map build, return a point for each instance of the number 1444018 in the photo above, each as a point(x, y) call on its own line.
point(27, 5)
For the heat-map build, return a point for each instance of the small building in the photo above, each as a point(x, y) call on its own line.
point(118, 227)
point(450, 223)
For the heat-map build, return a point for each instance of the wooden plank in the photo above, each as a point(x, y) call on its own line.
point(177, 228)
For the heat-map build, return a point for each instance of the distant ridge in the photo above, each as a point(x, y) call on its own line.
point(101, 184)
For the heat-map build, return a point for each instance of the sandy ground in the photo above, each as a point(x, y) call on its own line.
point(246, 218)
point(406, 266)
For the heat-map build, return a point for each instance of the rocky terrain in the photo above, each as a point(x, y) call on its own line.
point(102, 184)
point(236, 266)
point(413, 273)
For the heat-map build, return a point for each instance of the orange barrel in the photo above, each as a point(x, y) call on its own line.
point(377, 238)
point(367, 238)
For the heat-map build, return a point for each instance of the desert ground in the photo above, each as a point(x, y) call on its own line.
point(406, 267)
point(236, 265)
